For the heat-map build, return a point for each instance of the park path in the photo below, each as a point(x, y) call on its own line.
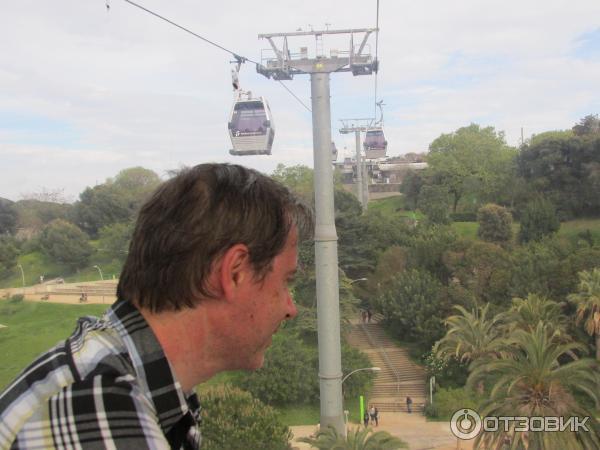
point(413, 429)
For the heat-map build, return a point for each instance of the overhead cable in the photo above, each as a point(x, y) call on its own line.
point(235, 55)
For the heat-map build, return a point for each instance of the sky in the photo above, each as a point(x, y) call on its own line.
point(87, 91)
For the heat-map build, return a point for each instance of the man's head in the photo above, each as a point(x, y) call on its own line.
point(193, 219)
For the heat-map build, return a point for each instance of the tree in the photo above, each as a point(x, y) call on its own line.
point(117, 200)
point(485, 269)
point(549, 135)
point(391, 262)
point(98, 207)
point(114, 240)
point(587, 299)
point(233, 419)
point(411, 188)
point(531, 382)
point(427, 248)
point(494, 223)
point(287, 375)
point(361, 239)
point(357, 439)
point(538, 220)
point(298, 178)
point(65, 243)
point(471, 336)
point(472, 160)
point(433, 201)
point(589, 125)
point(527, 313)
point(8, 216)
point(34, 215)
point(8, 254)
point(414, 306)
point(564, 170)
point(542, 268)
point(359, 382)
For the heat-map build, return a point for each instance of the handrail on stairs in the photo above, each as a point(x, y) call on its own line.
point(381, 350)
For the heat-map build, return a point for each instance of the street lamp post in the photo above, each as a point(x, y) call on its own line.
point(373, 369)
point(22, 273)
point(100, 271)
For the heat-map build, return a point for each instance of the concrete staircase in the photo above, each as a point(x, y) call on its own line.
point(399, 376)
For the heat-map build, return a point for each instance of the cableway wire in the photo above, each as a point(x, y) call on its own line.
point(235, 55)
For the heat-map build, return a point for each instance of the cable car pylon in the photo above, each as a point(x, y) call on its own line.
point(283, 66)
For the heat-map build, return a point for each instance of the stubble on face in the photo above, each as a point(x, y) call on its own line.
point(268, 304)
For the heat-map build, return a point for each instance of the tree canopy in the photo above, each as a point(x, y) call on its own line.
point(472, 160)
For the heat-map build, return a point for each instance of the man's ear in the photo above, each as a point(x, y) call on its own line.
point(235, 269)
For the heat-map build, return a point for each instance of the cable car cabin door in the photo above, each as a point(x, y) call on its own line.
point(251, 127)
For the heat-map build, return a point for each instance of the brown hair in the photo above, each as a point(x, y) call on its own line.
point(193, 219)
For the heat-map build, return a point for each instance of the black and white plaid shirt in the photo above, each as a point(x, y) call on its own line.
point(109, 386)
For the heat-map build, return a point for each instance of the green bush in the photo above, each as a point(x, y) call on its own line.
point(359, 382)
point(414, 305)
point(234, 420)
point(495, 223)
point(289, 373)
point(538, 220)
point(16, 298)
point(8, 255)
point(434, 202)
point(65, 243)
point(446, 401)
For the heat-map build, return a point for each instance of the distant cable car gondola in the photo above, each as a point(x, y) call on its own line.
point(375, 144)
point(250, 123)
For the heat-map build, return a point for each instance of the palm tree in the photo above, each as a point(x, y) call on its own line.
point(526, 313)
point(358, 439)
point(587, 300)
point(470, 335)
point(530, 382)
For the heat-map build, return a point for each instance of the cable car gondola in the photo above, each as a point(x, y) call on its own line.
point(375, 144)
point(250, 122)
point(251, 127)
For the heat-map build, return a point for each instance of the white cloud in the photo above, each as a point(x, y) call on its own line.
point(85, 93)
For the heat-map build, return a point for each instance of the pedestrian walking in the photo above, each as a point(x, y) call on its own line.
point(373, 415)
point(369, 315)
point(366, 419)
point(409, 404)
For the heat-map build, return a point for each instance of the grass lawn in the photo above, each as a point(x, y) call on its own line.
point(310, 414)
point(388, 206)
point(467, 230)
point(32, 328)
point(571, 228)
point(568, 229)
